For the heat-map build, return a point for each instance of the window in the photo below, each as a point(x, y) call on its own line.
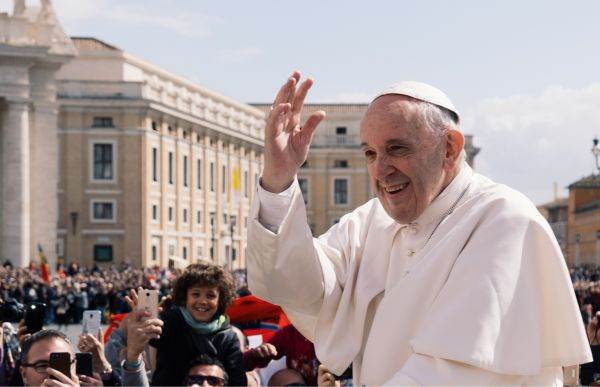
point(184, 252)
point(170, 214)
point(233, 222)
point(212, 177)
point(154, 212)
point(200, 252)
point(224, 179)
point(341, 130)
point(245, 184)
point(154, 164)
point(102, 122)
point(340, 163)
point(170, 167)
point(103, 253)
point(154, 126)
point(171, 250)
point(103, 211)
point(103, 161)
point(340, 191)
point(255, 180)
point(185, 215)
point(224, 218)
point(303, 183)
point(213, 218)
point(233, 254)
point(185, 171)
point(170, 128)
point(199, 217)
point(154, 252)
point(199, 173)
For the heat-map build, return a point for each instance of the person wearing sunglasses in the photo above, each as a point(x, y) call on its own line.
point(206, 371)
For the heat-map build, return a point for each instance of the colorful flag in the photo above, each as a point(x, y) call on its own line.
point(43, 264)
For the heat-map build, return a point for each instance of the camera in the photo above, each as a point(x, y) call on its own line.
point(11, 311)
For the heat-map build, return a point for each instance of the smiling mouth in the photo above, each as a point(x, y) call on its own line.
point(202, 310)
point(394, 189)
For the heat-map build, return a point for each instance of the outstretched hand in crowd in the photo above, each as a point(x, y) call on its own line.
point(140, 330)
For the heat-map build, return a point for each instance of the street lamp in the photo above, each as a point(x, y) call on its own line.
point(596, 153)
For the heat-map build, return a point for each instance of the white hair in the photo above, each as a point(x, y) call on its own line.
point(436, 118)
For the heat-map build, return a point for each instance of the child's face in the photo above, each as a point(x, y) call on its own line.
point(202, 302)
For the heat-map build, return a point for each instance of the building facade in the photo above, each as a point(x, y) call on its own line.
point(583, 229)
point(334, 180)
point(154, 169)
point(33, 47)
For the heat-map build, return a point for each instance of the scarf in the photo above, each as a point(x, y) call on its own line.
point(201, 327)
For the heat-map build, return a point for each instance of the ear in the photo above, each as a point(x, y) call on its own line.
point(22, 370)
point(455, 141)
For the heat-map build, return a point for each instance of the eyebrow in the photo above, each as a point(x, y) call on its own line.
point(390, 142)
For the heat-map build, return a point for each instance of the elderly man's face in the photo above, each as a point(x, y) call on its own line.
point(405, 159)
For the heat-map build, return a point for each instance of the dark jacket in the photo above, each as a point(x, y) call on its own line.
point(179, 344)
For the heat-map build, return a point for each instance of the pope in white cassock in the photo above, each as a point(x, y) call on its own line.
point(445, 278)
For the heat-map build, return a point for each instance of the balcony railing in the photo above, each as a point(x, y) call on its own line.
point(337, 141)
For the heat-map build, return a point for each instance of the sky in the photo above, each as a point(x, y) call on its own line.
point(524, 74)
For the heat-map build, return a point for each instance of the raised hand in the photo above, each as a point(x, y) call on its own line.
point(286, 141)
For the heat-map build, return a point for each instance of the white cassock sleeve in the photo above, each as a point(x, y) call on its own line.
point(293, 274)
point(421, 370)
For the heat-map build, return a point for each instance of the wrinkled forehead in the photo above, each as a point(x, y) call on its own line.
point(42, 349)
point(396, 113)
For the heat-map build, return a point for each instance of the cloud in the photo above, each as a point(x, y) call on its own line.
point(531, 141)
point(188, 24)
point(240, 54)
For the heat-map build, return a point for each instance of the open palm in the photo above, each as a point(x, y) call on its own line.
point(286, 141)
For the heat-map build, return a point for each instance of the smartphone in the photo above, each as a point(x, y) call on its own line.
point(61, 361)
point(148, 300)
point(83, 364)
point(34, 316)
point(91, 322)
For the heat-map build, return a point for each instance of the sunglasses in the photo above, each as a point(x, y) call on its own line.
point(200, 379)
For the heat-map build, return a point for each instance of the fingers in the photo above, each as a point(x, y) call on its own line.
point(59, 376)
point(286, 91)
point(307, 131)
point(298, 101)
point(276, 121)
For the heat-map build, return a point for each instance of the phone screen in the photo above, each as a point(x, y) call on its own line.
point(61, 361)
point(91, 322)
point(84, 364)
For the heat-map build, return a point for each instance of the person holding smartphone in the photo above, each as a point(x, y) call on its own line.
point(35, 360)
point(197, 325)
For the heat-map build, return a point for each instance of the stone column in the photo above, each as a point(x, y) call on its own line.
point(44, 179)
point(15, 184)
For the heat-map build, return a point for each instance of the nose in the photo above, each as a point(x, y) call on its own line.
point(383, 168)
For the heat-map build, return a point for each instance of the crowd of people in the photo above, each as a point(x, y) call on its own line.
point(190, 341)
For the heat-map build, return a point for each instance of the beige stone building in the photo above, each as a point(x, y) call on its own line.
point(583, 229)
point(334, 179)
point(153, 168)
point(32, 48)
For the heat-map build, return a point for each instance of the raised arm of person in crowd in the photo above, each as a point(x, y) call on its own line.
point(140, 330)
